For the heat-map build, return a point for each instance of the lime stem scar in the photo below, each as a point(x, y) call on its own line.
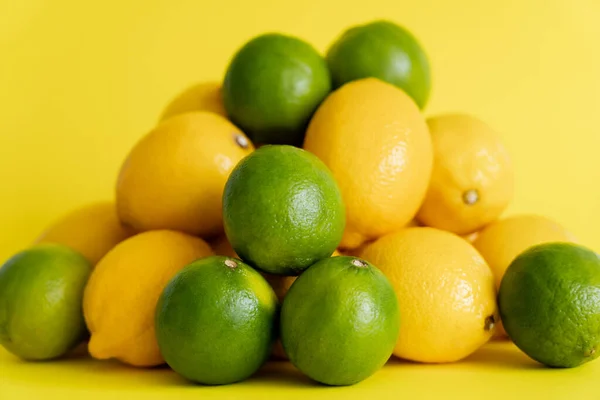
point(231, 264)
point(359, 263)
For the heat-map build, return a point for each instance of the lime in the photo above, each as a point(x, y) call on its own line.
point(282, 210)
point(272, 87)
point(216, 321)
point(549, 303)
point(41, 291)
point(340, 321)
point(383, 50)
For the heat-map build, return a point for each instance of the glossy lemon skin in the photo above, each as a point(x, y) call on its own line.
point(445, 291)
point(379, 152)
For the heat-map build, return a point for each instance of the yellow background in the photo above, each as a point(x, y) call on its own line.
point(81, 81)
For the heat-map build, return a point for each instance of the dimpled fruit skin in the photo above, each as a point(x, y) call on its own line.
point(204, 96)
point(91, 230)
point(282, 210)
point(445, 290)
point(216, 324)
point(41, 291)
point(339, 321)
point(383, 50)
point(121, 295)
point(468, 155)
point(379, 153)
point(174, 176)
point(549, 302)
point(272, 87)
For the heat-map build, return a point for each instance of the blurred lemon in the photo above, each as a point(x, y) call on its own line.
point(503, 240)
point(174, 177)
point(380, 153)
point(472, 180)
point(204, 96)
point(120, 298)
point(445, 290)
point(91, 230)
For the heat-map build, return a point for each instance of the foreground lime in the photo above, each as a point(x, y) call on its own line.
point(216, 321)
point(41, 291)
point(383, 50)
point(272, 87)
point(282, 210)
point(549, 302)
point(340, 321)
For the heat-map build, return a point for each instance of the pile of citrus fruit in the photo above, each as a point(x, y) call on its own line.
point(357, 230)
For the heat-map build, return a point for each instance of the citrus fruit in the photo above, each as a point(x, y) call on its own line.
point(204, 96)
point(41, 290)
point(216, 321)
point(472, 179)
point(339, 321)
point(174, 177)
point(91, 230)
point(445, 290)
point(503, 240)
point(379, 152)
point(272, 87)
point(549, 301)
point(384, 50)
point(282, 210)
point(120, 298)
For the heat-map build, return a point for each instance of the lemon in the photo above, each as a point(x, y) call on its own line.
point(472, 180)
point(121, 295)
point(549, 300)
point(204, 96)
point(216, 321)
point(40, 301)
point(375, 141)
point(503, 240)
point(445, 290)
point(339, 321)
point(174, 177)
point(91, 230)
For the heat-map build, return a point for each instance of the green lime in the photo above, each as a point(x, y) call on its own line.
point(282, 210)
point(549, 302)
point(216, 321)
point(273, 86)
point(383, 50)
point(41, 292)
point(340, 321)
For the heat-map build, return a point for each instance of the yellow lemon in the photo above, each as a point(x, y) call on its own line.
point(91, 230)
point(174, 177)
point(503, 240)
point(204, 96)
point(375, 141)
point(472, 179)
point(120, 298)
point(445, 290)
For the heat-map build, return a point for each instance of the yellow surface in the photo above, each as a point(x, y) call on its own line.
point(81, 81)
point(498, 371)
